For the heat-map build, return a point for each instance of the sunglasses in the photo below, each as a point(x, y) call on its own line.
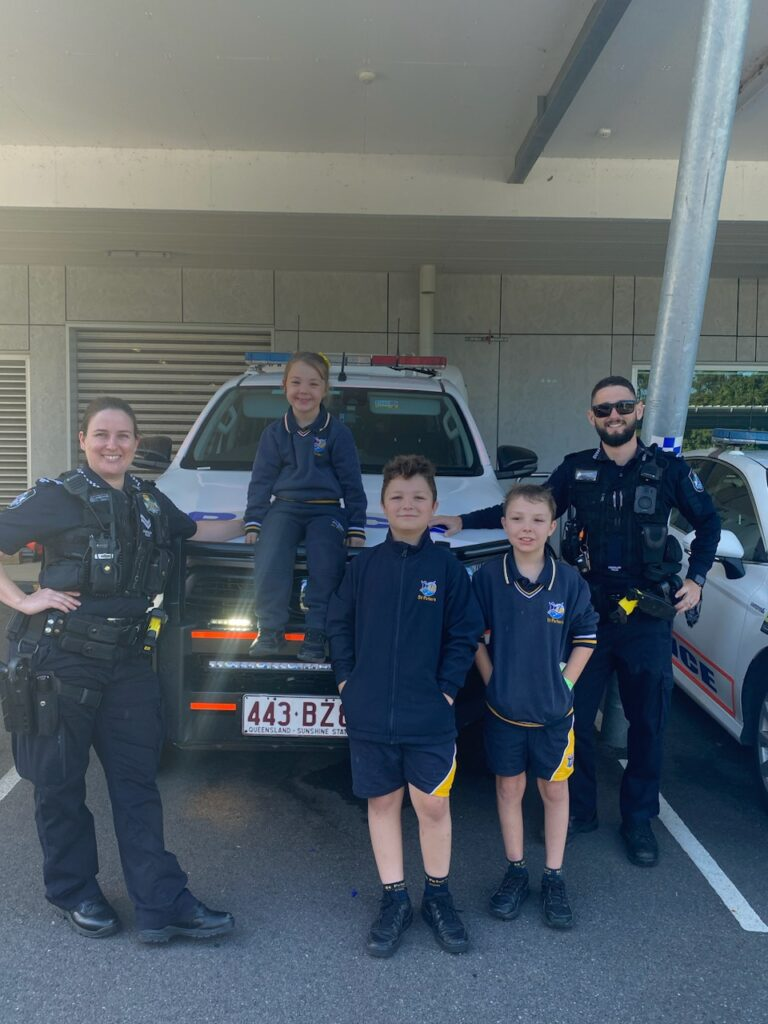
point(623, 408)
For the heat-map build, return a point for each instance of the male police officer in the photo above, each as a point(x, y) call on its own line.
point(618, 500)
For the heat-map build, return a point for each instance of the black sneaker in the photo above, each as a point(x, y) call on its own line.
point(554, 902)
point(313, 648)
point(267, 643)
point(508, 899)
point(386, 932)
point(447, 927)
point(640, 842)
point(578, 826)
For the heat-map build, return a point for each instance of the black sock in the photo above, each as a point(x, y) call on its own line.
point(518, 865)
point(553, 872)
point(435, 886)
point(399, 890)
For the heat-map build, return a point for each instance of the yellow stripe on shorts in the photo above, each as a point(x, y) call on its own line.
point(444, 787)
point(565, 768)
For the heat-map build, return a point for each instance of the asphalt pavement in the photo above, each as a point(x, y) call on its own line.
point(280, 840)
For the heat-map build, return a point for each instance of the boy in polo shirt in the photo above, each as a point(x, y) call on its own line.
point(403, 629)
point(541, 632)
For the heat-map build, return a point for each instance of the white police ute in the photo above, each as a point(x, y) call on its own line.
point(722, 661)
point(217, 693)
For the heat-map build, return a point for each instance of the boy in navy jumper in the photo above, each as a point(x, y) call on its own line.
point(403, 628)
point(307, 460)
point(542, 634)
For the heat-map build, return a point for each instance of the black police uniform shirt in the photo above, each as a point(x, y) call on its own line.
point(47, 510)
point(680, 488)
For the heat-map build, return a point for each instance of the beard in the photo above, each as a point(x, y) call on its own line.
point(616, 438)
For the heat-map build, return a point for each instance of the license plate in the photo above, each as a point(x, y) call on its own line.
point(266, 714)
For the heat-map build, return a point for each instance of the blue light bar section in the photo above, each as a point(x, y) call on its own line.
point(267, 357)
point(729, 435)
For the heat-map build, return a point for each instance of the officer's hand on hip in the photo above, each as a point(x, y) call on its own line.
point(45, 599)
point(688, 596)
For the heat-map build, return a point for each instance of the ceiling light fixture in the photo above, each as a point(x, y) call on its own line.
point(366, 76)
point(604, 133)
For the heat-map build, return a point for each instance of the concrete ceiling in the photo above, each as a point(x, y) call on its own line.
point(355, 242)
point(453, 80)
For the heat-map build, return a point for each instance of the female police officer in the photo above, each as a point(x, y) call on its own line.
point(79, 678)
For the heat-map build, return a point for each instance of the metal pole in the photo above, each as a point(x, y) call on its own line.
point(692, 230)
point(695, 212)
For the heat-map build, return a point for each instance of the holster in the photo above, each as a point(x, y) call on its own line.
point(30, 700)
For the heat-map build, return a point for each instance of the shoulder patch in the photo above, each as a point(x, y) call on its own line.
point(697, 484)
point(21, 498)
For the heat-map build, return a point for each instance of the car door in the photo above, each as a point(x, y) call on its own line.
point(709, 659)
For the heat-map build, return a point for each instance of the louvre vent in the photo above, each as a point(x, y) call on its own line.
point(14, 438)
point(167, 376)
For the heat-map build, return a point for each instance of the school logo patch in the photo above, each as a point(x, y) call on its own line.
point(319, 444)
point(427, 590)
point(697, 484)
point(556, 612)
point(150, 503)
point(21, 498)
point(570, 760)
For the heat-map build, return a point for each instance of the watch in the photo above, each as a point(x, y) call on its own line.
point(696, 578)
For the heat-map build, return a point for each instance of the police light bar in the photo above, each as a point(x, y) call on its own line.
point(730, 435)
point(414, 362)
point(265, 358)
point(276, 360)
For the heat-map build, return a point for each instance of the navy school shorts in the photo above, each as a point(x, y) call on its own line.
point(381, 768)
point(547, 750)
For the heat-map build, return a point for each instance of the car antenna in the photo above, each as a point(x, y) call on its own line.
point(342, 374)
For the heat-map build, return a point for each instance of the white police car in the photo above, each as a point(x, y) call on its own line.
point(219, 695)
point(722, 662)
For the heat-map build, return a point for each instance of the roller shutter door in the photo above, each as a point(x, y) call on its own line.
point(167, 376)
point(14, 435)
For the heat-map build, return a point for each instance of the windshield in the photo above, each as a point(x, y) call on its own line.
point(383, 422)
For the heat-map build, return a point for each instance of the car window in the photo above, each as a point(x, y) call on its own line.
point(384, 422)
point(702, 468)
point(730, 493)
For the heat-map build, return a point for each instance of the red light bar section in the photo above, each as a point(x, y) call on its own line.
point(425, 361)
point(205, 706)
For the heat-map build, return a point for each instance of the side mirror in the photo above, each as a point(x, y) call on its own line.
point(515, 462)
point(730, 553)
point(154, 453)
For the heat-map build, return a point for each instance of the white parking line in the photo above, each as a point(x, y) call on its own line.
point(8, 781)
point(708, 866)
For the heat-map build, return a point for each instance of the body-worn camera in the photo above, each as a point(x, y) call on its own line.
point(102, 559)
